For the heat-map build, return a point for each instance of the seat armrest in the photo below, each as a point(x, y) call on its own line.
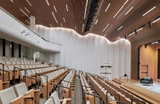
point(18, 100)
point(28, 97)
point(36, 91)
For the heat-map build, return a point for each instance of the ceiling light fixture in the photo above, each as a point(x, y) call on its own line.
point(82, 28)
point(54, 17)
point(129, 10)
point(29, 2)
point(96, 21)
point(55, 8)
point(66, 7)
point(12, 1)
point(61, 24)
point(24, 12)
point(119, 28)
point(105, 28)
point(47, 2)
point(149, 11)
point(120, 9)
point(75, 27)
point(26, 9)
point(155, 42)
point(85, 9)
point(131, 33)
point(64, 19)
point(105, 35)
point(139, 29)
point(107, 7)
point(51, 25)
point(156, 20)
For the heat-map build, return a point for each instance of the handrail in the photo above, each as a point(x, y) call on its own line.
point(34, 79)
point(27, 27)
point(46, 81)
point(4, 71)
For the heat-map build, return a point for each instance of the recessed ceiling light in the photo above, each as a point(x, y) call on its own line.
point(105, 28)
point(47, 2)
point(120, 9)
point(107, 7)
point(96, 21)
point(129, 10)
point(26, 9)
point(54, 17)
point(66, 7)
point(156, 42)
point(85, 9)
point(24, 12)
point(149, 11)
point(64, 19)
point(119, 28)
point(29, 2)
point(55, 8)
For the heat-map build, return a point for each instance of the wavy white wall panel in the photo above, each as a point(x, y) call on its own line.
point(11, 29)
point(88, 53)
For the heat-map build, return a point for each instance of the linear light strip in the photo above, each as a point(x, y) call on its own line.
point(129, 10)
point(149, 11)
point(156, 20)
point(26, 9)
point(61, 24)
point(107, 7)
point(85, 9)
point(27, 21)
point(119, 28)
point(118, 37)
point(109, 28)
point(120, 9)
point(64, 19)
point(66, 7)
point(82, 28)
point(54, 17)
point(139, 29)
point(96, 22)
point(55, 8)
point(12, 1)
point(75, 27)
point(51, 25)
point(29, 3)
point(105, 27)
point(47, 2)
point(131, 33)
point(24, 12)
point(104, 35)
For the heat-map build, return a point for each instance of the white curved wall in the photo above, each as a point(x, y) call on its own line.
point(88, 53)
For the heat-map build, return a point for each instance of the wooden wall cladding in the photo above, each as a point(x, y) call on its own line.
point(145, 36)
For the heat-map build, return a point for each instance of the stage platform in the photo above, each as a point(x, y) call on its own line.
point(149, 93)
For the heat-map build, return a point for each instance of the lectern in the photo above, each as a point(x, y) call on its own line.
point(105, 66)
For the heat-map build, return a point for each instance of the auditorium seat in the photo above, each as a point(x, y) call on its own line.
point(56, 99)
point(8, 96)
point(21, 89)
point(49, 101)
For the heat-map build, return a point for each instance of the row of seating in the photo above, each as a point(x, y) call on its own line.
point(67, 90)
point(19, 94)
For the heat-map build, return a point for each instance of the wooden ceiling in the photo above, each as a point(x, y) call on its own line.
point(71, 14)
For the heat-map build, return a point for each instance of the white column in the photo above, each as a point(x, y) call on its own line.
point(32, 23)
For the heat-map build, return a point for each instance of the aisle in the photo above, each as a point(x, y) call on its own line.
point(77, 92)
